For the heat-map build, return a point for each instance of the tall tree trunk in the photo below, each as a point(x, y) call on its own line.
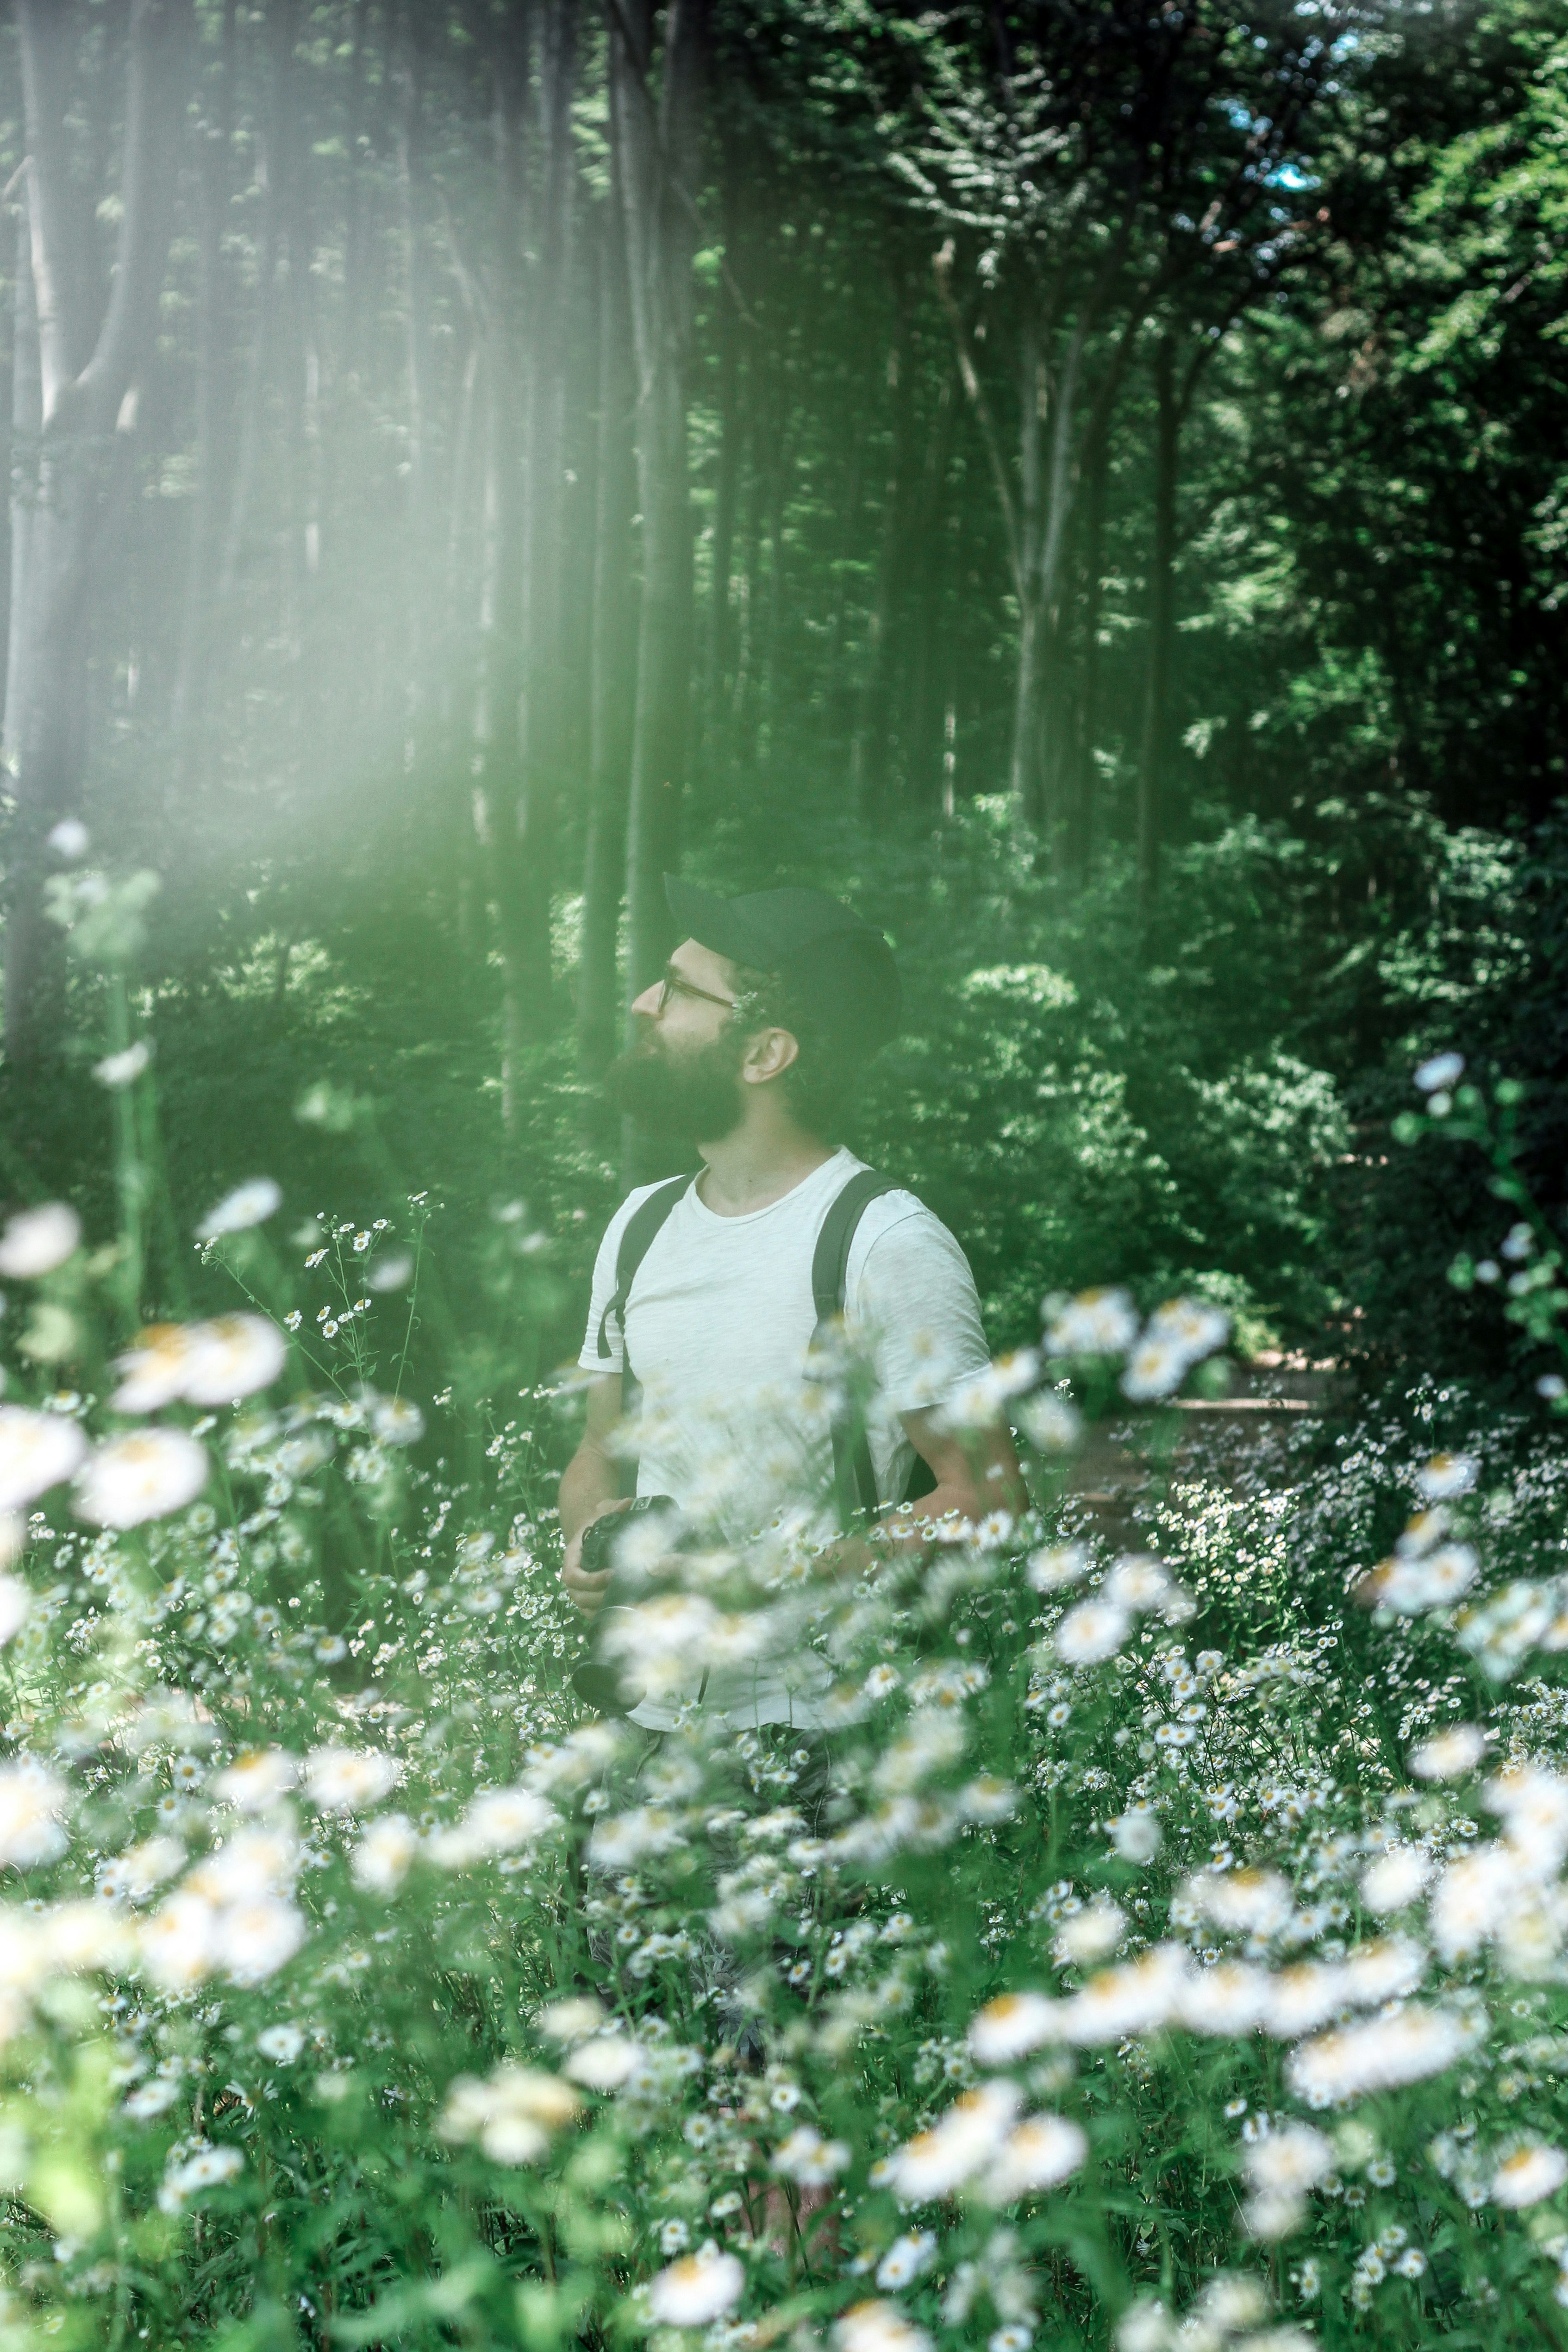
point(1024, 773)
point(658, 143)
point(922, 714)
point(87, 367)
point(273, 162)
point(525, 906)
point(726, 476)
point(1080, 825)
point(613, 681)
point(871, 747)
point(1154, 750)
point(26, 426)
point(499, 721)
point(215, 136)
point(417, 533)
point(354, 197)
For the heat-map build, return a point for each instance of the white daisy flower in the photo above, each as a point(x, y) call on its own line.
point(1393, 1881)
point(37, 1450)
point(348, 1779)
point(1095, 1323)
point(281, 2043)
point(809, 2159)
point(1092, 1632)
point(1529, 2173)
point(878, 2328)
point(1450, 1753)
point(122, 1069)
point(908, 2259)
point(381, 1860)
point(605, 2063)
point(1042, 2152)
point(1010, 2027)
point(1446, 1475)
point(257, 1779)
point(35, 1241)
point(232, 1357)
point(32, 1804)
point(143, 1476)
point(696, 2289)
point(962, 2143)
point(250, 1205)
point(15, 1603)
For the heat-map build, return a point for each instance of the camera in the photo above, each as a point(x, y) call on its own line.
point(607, 1688)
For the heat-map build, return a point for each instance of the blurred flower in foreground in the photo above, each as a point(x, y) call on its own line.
point(1381, 2055)
point(1175, 1336)
point(70, 838)
point(208, 2169)
point(1095, 1323)
point(878, 2328)
point(123, 1068)
point(205, 1364)
point(1280, 2168)
point(141, 1477)
point(1092, 1632)
point(347, 1780)
point(1439, 1072)
point(15, 1603)
point(31, 1801)
point(381, 1860)
point(511, 2114)
point(696, 2289)
point(1529, 2173)
point(960, 2144)
point(250, 1205)
point(1455, 1749)
point(256, 1779)
point(37, 1450)
point(1446, 1476)
point(35, 1241)
point(809, 2159)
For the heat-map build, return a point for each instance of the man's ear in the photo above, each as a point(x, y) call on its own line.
point(768, 1055)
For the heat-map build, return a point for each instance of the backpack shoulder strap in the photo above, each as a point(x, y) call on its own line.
point(854, 1478)
point(636, 1239)
point(831, 1263)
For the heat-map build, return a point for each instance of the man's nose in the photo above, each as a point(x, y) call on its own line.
point(647, 1004)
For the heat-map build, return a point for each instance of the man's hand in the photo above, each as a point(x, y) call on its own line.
point(586, 1587)
point(590, 1487)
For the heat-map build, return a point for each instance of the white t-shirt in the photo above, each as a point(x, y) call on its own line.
point(719, 1320)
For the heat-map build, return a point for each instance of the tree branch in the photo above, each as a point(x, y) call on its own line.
point(942, 268)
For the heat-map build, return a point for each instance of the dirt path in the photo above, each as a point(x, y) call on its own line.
point(1241, 1440)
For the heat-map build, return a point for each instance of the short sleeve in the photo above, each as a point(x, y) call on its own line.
point(915, 1300)
point(603, 1291)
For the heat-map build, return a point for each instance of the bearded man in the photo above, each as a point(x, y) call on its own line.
point(711, 1289)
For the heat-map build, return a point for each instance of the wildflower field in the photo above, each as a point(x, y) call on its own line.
point(1169, 1954)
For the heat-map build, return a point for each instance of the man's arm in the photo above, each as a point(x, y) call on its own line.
point(590, 1487)
point(975, 1473)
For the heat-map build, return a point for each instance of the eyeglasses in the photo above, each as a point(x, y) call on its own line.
point(674, 985)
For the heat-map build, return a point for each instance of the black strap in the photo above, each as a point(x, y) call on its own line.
point(636, 1238)
point(854, 1479)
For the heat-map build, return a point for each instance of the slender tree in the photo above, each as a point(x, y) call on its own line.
point(657, 138)
point(90, 359)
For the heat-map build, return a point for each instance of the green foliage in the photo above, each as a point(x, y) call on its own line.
point(356, 1988)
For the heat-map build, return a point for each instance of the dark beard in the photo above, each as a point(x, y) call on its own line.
point(691, 1098)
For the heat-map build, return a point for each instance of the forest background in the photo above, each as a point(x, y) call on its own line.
point(1087, 480)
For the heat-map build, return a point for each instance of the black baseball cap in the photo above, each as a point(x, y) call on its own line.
point(839, 965)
